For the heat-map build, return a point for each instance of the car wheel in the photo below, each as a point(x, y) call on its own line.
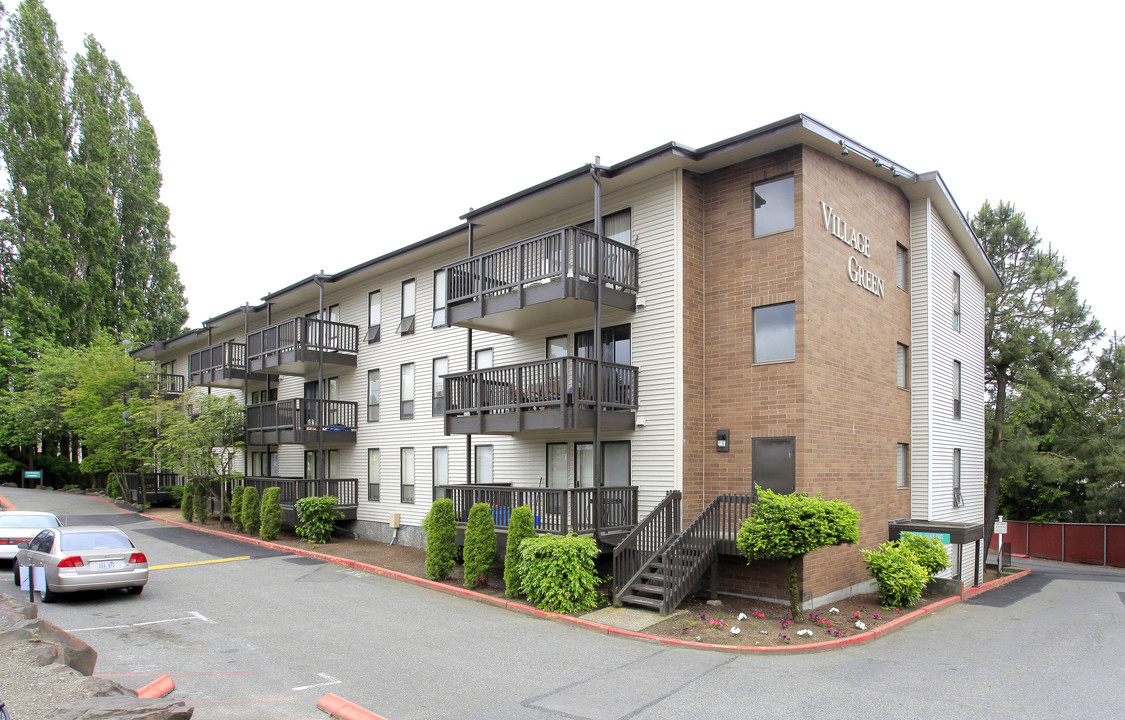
point(15, 572)
point(48, 596)
point(136, 589)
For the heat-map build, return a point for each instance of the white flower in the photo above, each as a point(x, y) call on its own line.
point(741, 616)
point(834, 611)
point(735, 630)
point(805, 632)
point(764, 632)
point(860, 624)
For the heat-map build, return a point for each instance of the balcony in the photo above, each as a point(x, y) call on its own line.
point(303, 422)
point(222, 365)
point(297, 345)
point(160, 384)
point(557, 511)
point(545, 279)
point(346, 492)
point(554, 394)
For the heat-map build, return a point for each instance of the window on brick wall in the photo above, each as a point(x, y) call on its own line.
point(958, 500)
point(902, 465)
point(775, 332)
point(902, 366)
point(774, 463)
point(774, 206)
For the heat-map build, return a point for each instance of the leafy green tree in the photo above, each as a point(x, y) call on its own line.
point(205, 444)
point(521, 526)
point(791, 526)
point(480, 545)
point(1037, 334)
point(441, 536)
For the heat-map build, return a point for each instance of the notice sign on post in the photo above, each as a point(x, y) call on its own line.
point(1001, 526)
point(32, 474)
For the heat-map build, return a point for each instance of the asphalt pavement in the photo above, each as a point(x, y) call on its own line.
point(1047, 646)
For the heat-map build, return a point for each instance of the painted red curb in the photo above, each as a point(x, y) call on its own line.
point(5, 505)
point(158, 688)
point(337, 706)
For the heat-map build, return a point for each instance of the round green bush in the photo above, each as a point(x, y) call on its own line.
point(201, 493)
point(316, 518)
point(899, 576)
point(441, 539)
point(521, 526)
point(271, 513)
point(929, 551)
point(558, 572)
point(251, 510)
point(187, 506)
point(480, 545)
point(236, 506)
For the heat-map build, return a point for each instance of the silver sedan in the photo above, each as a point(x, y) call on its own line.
point(84, 557)
point(19, 526)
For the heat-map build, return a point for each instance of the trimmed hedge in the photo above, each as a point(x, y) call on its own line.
point(441, 539)
point(480, 545)
point(251, 510)
point(187, 506)
point(201, 493)
point(901, 579)
point(558, 572)
point(271, 513)
point(236, 506)
point(521, 526)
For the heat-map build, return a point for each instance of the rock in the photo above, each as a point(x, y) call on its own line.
point(14, 609)
point(121, 708)
point(58, 645)
point(715, 603)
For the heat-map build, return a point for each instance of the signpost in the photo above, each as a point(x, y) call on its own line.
point(33, 475)
point(1000, 528)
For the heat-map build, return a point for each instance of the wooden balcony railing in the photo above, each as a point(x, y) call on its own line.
point(299, 420)
point(559, 385)
point(345, 490)
point(301, 341)
point(223, 365)
point(556, 510)
point(160, 384)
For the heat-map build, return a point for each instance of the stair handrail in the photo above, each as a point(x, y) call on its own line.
point(634, 553)
point(689, 554)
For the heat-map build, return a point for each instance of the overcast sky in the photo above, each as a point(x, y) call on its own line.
point(297, 137)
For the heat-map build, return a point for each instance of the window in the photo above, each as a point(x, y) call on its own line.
point(310, 464)
point(406, 392)
point(557, 347)
point(441, 367)
point(440, 468)
point(374, 315)
point(373, 474)
point(956, 302)
point(439, 299)
point(406, 475)
point(956, 389)
point(902, 367)
point(902, 465)
point(773, 463)
point(406, 325)
point(482, 470)
point(373, 394)
point(556, 466)
point(958, 501)
point(263, 396)
point(902, 267)
point(615, 464)
point(775, 332)
point(617, 226)
point(773, 206)
point(263, 464)
point(483, 358)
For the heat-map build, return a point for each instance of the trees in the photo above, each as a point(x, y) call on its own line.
point(1037, 334)
point(441, 536)
point(791, 526)
point(205, 444)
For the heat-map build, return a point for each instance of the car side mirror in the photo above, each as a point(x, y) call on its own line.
point(23, 546)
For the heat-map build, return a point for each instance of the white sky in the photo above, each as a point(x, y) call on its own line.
point(297, 137)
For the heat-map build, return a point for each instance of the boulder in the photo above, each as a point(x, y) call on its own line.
point(121, 708)
point(14, 609)
point(57, 644)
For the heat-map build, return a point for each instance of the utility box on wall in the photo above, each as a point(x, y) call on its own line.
point(722, 441)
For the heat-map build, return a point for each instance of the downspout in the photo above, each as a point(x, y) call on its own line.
point(321, 461)
point(245, 381)
point(469, 366)
point(596, 348)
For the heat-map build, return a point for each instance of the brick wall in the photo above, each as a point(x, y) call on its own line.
point(694, 318)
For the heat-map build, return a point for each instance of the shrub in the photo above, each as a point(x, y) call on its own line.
point(928, 551)
point(316, 517)
point(251, 510)
point(901, 579)
point(558, 572)
point(271, 513)
point(187, 506)
point(236, 506)
point(441, 537)
point(201, 493)
point(521, 526)
point(177, 492)
point(480, 545)
point(791, 526)
point(112, 487)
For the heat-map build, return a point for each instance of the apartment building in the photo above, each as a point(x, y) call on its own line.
point(649, 339)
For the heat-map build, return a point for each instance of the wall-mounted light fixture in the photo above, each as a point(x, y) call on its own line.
point(722, 441)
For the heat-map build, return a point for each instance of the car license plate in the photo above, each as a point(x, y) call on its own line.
point(109, 565)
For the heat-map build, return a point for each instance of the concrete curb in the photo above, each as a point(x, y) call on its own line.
point(158, 688)
point(891, 626)
point(337, 706)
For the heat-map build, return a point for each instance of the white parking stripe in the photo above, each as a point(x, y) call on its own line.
point(331, 681)
point(194, 616)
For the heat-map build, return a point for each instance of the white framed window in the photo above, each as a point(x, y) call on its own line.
point(374, 315)
point(440, 469)
point(902, 465)
point(775, 332)
point(441, 367)
point(482, 464)
point(373, 473)
point(374, 392)
point(956, 302)
point(406, 474)
point(406, 324)
point(902, 366)
point(774, 206)
point(406, 392)
point(956, 389)
point(439, 299)
point(958, 500)
point(902, 267)
point(483, 358)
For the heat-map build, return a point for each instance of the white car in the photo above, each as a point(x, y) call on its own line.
point(20, 526)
